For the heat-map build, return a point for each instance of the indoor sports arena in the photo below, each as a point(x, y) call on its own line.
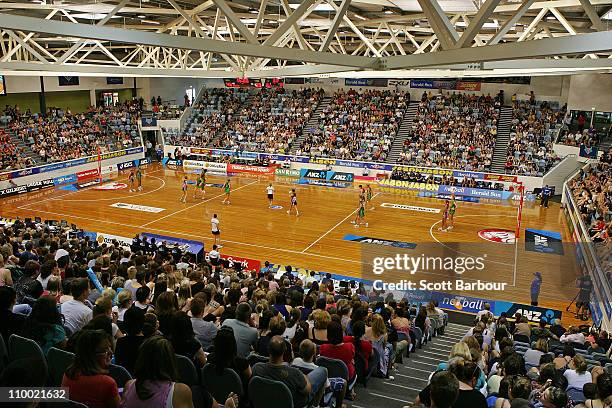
point(306, 203)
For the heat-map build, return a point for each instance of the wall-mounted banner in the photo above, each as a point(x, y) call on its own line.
point(425, 171)
point(379, 241)
point(126, 165)
point(26, 188)
point(408, 185)
point(315, 174)
point(548, 242)
point(449, 85)
point(588, 151)
point(377, 82)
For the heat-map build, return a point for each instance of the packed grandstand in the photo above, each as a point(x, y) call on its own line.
point(94, 316)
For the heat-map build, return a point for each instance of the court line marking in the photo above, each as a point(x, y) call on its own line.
point(195, 205)
point(59, 197)
point(163, 184)
point(187, 235)
point(465, 253)
point(335, 226)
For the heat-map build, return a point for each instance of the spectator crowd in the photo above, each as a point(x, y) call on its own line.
point(456, 131)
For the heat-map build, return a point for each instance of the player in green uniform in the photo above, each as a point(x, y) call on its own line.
point(360, 217)
point(369, 195)
point(200, 184)
point(451, 212)
point(139, 178)
point(226, 189)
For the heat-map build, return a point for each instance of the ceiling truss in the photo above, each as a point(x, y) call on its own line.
point(220, 38)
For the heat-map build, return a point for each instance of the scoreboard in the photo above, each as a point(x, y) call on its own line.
point(254, 83)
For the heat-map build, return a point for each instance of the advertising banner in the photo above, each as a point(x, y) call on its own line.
point(244, 168)
point(469, 174)
point(377, 82)
point(468, 86)
point(26, 188)
point(315, 174)
point(149, 121)
point(500, 177)
point(213, 167)
point(408, 185)
point(102, 238)
point(466, 304)
point(425, 170)
point(247, 263)
point(67, 179)
point(588, 151)
point(533, 313)
point(336, 176)
point(87, 174)
point(287, 172)
point(126, 165)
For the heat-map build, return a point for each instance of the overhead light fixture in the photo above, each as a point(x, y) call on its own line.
point(92, 16)
point(388, 11)
point(141, 16)
point(253, 11)
point(151, 22)
point(551, 18)
point(360, 17)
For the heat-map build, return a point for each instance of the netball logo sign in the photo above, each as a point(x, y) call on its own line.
point(499, 236)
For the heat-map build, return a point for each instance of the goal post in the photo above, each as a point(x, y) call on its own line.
point(519, 188)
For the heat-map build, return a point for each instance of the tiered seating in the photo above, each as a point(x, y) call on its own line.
point(210, 115)
point(357, 126)
point(272, 120)
point(530, 151)
point(10, 155)
point(166, 111)
point(453, 131)
point(591, 194)
point(63, 136)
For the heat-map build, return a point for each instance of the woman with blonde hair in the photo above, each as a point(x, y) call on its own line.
point(377, 334)
point(577, 374)
point(318, 333)
point(184, 295)
point(532, 356)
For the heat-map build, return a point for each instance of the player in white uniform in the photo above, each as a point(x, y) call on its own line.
point(216, 232)
point(270, 192)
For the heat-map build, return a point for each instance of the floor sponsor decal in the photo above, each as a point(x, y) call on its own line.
point(86, 184)
point(548, 242)
point(323, 183)
point(499, 236)
point(218, 185)
point(411, 208)
point(112, 186)
point(135, 207)
point(276, 207)
point(378, 241)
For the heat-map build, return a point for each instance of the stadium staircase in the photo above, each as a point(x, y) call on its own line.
point(402, 132)
point(312, 124)
point(411, 376)
point(500, 153)
point(27, 151)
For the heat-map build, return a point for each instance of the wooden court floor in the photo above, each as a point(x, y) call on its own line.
point(315, 239)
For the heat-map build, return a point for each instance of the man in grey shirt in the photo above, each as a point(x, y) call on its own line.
point(246, 336)
point(204, 331)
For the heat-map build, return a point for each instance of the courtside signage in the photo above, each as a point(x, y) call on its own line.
point(411, 208)
point(314, 174)
point(213, 167)
point(378, 241)
point(547, 242)
point(135, 207)
point(336, 176)
point(287, 172)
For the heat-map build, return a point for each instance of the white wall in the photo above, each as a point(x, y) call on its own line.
point(591, 91)
point(21, 84)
